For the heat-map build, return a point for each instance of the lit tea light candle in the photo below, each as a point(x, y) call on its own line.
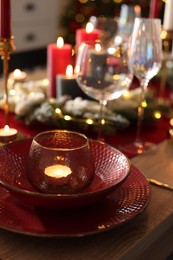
point(15, 77)
point(57, 171)
point(7, 134)
point(67, 84)
point(18, 75)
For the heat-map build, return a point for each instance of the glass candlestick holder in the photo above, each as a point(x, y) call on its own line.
point(60, 162)
point(6, 47)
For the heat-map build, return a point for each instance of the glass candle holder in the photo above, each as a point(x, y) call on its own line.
point(60, 162)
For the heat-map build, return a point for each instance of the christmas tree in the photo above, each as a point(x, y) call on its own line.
point(78, 13)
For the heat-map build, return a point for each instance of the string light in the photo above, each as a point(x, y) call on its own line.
point(67, 117)
point(58, 111)
point(157, 114)
point(144, 104)
point(118, 1)
point(89, 121)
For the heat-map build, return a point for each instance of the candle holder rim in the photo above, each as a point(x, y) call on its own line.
point(86, 143)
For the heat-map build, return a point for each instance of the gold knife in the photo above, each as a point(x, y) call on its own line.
point(160, 184)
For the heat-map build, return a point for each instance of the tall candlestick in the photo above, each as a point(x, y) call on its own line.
point(154, 8)
point(5, 19)
point(168, 16)
point(59, 56)
point(6, 46)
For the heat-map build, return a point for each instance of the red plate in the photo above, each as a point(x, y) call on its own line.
point(130, 199)
point(111, 169)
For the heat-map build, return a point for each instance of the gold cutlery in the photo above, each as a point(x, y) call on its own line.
point(160, 184)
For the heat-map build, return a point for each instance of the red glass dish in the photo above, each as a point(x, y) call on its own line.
point(121, 206)
point(111, 169)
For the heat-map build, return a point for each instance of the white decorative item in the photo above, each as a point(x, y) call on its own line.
point(168, 16)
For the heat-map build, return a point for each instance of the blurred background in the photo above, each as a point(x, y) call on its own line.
point(36, 23)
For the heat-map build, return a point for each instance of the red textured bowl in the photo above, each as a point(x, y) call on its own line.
point(111, 169)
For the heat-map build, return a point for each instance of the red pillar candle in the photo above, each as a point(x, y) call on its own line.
point(59, 56)
point(5, 20)
point(88, 34)
point(154, 8)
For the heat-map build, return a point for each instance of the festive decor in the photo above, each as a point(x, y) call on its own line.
point(79, 114)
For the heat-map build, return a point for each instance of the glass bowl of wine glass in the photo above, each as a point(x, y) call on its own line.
point(103, 72)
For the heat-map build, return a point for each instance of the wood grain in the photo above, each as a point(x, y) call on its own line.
point(148, 236)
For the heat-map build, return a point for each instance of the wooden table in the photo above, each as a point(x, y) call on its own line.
point(148, 236)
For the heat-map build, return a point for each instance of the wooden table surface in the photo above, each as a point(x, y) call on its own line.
point(148, 236)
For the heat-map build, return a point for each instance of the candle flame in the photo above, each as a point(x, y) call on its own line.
point(98, 47)
point(60, 42)
point(126, 94)
point(137, 10)
point(6, 128)
point(57, 171)
point(17, 73)
point(69, 71)
point(77, 69)
point(89, 27)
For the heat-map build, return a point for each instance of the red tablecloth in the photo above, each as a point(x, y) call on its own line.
point(154, 132)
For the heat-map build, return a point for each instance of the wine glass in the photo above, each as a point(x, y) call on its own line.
point(128, 13)
point(106, 25)
point(145, 58)
point(103, 73)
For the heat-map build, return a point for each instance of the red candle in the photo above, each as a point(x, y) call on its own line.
point(154, 8)
point(5, 21)
point(89, 34)
point(59, 56)
point(67, 85)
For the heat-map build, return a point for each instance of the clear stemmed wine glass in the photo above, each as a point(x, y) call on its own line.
point(145, 58)
point(103, 73)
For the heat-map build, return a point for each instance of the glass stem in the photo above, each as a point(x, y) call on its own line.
point(143, 85)
point(103, 104)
